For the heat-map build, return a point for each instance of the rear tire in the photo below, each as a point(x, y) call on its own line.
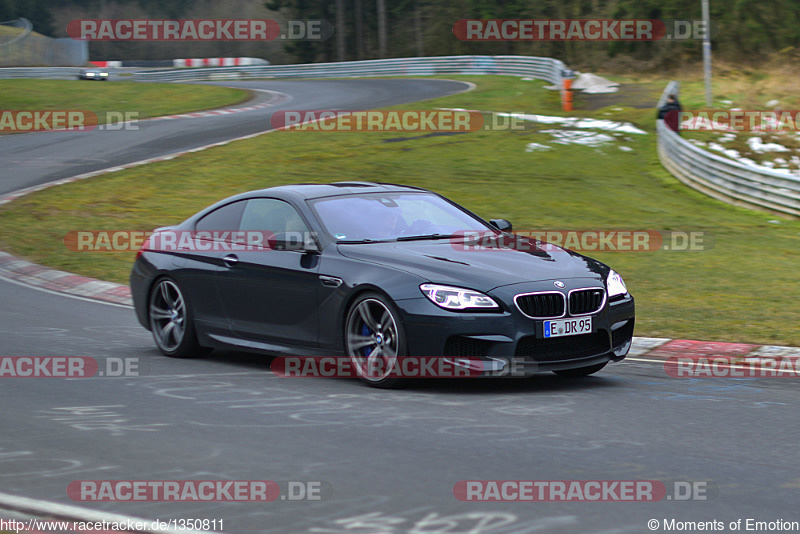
point(171, 321)
point(581, 371)
point(374, 338)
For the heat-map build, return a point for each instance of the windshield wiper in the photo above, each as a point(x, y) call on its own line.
point(359, 241)
point(423, 237)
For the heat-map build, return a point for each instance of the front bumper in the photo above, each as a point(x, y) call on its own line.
point(509, 343)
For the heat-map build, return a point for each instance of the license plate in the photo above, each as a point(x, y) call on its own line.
point(568, 327)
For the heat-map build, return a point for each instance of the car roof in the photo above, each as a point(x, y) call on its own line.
point(311, 191)
point(299, 193)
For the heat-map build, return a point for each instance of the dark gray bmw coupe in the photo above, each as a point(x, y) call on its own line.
point(376, 272)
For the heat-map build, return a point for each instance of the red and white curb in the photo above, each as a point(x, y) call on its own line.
point(193, 62)
point(218, 62)
point(658, 349)
point(277, 98)
point(25, 272)
point(30, 514)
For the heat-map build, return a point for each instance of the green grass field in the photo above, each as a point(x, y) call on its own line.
point(146, 99)
point(743, 289)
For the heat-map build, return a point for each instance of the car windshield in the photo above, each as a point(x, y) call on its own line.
point(393, 216)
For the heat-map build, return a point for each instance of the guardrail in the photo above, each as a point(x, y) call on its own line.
point(723, 178)
point(52, 73)
point(535, 67)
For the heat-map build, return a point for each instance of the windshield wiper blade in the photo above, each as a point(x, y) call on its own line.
point(423, 237)
point(359, 241)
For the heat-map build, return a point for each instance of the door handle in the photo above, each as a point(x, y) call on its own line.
point(330, 281)
point(230, 260)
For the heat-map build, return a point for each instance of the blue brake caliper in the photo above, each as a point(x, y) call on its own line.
point(366, 333)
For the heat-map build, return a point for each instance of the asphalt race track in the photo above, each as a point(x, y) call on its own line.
point(387, 461)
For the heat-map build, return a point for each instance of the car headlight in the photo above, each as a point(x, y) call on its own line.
point(616, 286)
point(90, 74)
point(457, 298)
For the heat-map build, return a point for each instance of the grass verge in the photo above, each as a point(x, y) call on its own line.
point(742, 289)
point(145, 99)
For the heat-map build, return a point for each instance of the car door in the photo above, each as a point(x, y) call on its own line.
point(198, 258)
point(271, 294)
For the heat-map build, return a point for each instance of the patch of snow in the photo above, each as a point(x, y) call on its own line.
point(574, 122)
point(571, 137)
point(592, 83)
point(757, 145)
point(579, 122)
point(731, 153)
point(531, 147)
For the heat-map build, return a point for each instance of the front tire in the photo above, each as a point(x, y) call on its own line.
point(171, 321)
point(374, 338)
point(581, 371)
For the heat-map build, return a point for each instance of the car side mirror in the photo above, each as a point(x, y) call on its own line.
point(501, 224)
point(310, 244)
point(296, 241)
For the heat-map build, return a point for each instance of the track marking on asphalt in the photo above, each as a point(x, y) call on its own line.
point(4, 278)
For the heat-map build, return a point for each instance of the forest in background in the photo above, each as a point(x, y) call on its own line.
point(748, 30)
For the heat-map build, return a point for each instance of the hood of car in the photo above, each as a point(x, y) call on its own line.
point(478, 267)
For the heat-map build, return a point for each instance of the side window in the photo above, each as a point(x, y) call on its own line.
point(271, 215)
point(222, 219)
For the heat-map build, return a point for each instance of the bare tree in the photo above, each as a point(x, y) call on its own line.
point(418, 29)
point(381, 28)
point(359, 13)
point(340, 33)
